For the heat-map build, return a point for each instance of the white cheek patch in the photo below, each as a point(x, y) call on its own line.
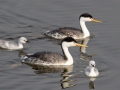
point(68, 44)
point(86, 19)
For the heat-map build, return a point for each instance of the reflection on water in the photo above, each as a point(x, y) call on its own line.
point(66, 80)
point(91, 84)
point(32, 18)
point(83, 54)
point(21, 52)
point(87, 57)
point(84, 42)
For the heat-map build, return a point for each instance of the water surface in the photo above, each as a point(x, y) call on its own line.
point(32, 18)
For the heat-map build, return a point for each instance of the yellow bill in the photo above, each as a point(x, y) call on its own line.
point(80, 45)
point(93, 20)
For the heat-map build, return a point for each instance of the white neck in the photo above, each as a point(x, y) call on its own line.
point(92, 72)
point(84, 29)
point(69, 60)
point(20, 45)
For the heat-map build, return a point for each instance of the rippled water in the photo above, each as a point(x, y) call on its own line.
point(31, 18)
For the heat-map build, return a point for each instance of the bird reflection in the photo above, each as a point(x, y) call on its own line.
point(66, 80)
point(91, 83)
point(21, 52)
point(84, 42)
point(83, 54)
point(87, 57)
point(49, 69)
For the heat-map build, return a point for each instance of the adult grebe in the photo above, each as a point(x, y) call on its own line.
point(13, 45)
point(73, 32)
point(90, 70)
point(51, 58)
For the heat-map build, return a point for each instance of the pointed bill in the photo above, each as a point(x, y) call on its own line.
point(93, 20)
point(80, 45)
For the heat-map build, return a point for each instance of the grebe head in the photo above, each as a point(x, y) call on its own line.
point(92, 63)
point(69, 42)
point(85, 17)
point(23, 40)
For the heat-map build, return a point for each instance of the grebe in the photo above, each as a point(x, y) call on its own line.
point(73, 32)
point(13, 45)
point(90, 70)
point(51, 58)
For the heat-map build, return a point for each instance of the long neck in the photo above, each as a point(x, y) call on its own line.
point(84, 29)
point(20, 44)
point(67, 55)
